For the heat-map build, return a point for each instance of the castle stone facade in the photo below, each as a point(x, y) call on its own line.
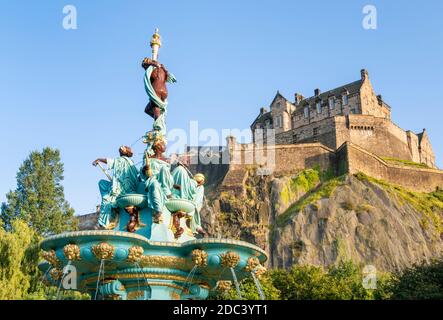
point(350, 113)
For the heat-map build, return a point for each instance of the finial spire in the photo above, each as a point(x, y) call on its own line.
point(155, 44)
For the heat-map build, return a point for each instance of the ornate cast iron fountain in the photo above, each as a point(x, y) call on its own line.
point(147, 246)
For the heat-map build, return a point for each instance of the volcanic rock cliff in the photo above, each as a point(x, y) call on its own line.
point(312, 217)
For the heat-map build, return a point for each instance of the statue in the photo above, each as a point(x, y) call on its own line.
point(123, 181)
point(191, 189)
point(157, 178)
point(155, 80)
point(199, 197)
point(134, 220)
point(158, 78)
point(155, 181)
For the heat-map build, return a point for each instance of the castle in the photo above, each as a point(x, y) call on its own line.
point(353, 113)
point(345, 130)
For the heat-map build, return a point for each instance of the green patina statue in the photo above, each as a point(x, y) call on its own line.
point(123, 181)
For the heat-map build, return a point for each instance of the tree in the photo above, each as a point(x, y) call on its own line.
point(341, 282)
point(249, 290)
point(302, 283)
point(420, 282)
point(19, 274)
point(39, 198)
point(14, 280)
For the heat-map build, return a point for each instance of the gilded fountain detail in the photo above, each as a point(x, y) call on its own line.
point(149, 242)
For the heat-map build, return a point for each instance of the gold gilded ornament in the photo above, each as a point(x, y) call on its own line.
point(103, 251)
point(56, 274)
point(260, 271)
point(199, 257)
point(252, 263)
point(230, 259)
point(51, 258)
point(165, 262)
point(223, 286)
point(72, 252)
point(135, 254)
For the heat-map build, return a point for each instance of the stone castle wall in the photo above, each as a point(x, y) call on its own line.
point(349, 158)
point(378, 135)
point(370, 104)
point(358, 159)
point(282, 159)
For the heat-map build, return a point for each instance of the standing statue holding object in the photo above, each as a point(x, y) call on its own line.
point(155, 80)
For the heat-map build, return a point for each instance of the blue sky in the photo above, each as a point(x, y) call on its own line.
point(82, 90)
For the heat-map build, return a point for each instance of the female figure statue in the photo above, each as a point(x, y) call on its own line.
point(123, 181)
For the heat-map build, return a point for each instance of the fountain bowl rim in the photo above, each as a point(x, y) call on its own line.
point(45, 244)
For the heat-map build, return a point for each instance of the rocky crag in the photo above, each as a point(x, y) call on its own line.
point(313, 217)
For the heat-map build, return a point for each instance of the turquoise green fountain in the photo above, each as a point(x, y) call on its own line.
point(146, 246)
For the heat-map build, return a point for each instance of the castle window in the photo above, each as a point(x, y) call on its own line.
point(318, 105)
point(315, 132)
point(331, 103)
point(345, 99)
point(306, 112)
point(294, 137)
point(279, 121)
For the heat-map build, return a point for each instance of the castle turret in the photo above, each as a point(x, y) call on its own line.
point(364, 74)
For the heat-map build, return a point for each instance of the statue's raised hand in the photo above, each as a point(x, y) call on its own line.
point(148, 62)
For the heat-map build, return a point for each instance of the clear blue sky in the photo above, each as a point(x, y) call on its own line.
point(81, 90)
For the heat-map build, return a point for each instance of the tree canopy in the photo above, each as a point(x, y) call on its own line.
point(39, 197)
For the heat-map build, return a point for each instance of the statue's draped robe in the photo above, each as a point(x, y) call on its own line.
point(124, 180)
point(159, 185)
point(198, 201)
point(189, 190)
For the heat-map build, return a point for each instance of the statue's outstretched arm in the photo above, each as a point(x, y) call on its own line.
point(102, 160)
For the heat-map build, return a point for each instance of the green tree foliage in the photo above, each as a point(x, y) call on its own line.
point(19, 274)
point(36, 208)
point(341, 282)
point(50, 293)
point(39, 198)
point(420, 282)
point(15, 247)
point(249, 291)
point(304, 282)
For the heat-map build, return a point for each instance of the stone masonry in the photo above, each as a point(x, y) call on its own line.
point(352, 112)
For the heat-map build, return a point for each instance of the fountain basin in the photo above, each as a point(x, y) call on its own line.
point(132, 200)
point(137, 268)
point(183, 205)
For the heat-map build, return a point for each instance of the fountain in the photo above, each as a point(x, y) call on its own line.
point(149, 243)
